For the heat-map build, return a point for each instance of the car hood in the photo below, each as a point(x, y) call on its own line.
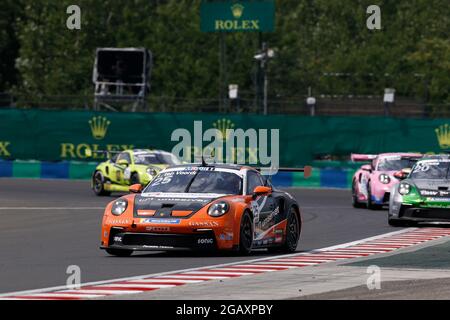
point(432, 187)
point(164, 205)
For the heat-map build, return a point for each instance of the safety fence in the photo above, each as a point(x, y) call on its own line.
point(320, 178)
point(66, 135)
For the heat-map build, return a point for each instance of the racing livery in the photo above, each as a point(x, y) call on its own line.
point(122, 169)
point(199, 206)
point(424, 196)
point(372, 182)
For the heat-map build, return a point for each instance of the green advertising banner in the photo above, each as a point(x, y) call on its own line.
point(237, 16)
point(65, 135)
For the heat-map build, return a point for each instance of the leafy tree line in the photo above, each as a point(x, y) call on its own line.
point(40, 57)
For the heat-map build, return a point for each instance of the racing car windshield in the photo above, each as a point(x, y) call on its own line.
point(196, 181)
point(430, 170)
point(395, 164)
point(155, 158)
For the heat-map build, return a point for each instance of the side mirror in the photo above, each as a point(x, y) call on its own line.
point(261, 191)
point(402, 174)
point(123, 162)
point(136, 188)
point(366, 167)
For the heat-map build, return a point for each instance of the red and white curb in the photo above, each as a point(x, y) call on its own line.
point(362, 248)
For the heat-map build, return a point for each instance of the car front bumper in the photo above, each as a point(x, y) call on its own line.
point(382, 198)
point(137, 241)
point(421, 214)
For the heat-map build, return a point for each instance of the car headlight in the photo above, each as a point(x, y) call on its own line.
point(218, 209)
point(119, 207)
point(404, 188)
point(151, 171)
point(384, 178)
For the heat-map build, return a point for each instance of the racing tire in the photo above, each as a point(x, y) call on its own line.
point(355, 202)
point(293, 227)
point(370, 204)
point(98, 184)
point(119, 252)
point(246, 234)
point(134, 179)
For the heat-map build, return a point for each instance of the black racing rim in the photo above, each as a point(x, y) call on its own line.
point(134, 179)
point(98, 182)
point(292, 230)
point(369, 196)
point(246, 232)
point(353, 193)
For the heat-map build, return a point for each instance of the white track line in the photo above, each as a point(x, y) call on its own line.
point(64, 295)
point(180, 281)
point(186, 276)
point(250, 270)
point(99, 291)
point(214, 272)
point(136, 285)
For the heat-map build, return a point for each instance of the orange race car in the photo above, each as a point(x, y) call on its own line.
point(226, 207)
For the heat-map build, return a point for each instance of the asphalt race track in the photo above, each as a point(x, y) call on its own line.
point(48, 225)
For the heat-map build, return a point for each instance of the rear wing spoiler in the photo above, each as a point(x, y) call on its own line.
point(88, 152)
point(417, 157)
point(362, 157)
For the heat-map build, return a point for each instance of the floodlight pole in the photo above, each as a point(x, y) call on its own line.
point(266, 87)
point(263, 57)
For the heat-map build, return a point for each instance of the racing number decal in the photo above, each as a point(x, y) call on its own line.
point(257, 206)
point(421, 167)
point(162, 179)
point(118, 175)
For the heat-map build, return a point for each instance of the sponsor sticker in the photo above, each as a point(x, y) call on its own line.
point(435, 193)
point(431, 199)
point(162, 221)
point(205, 241)
point(158, 229)
point(117, 221)
point(203, 224)
point(157, 247)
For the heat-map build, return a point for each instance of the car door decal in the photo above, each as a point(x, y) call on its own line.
point(118, 175)
point(266, 217)
point(257, 205)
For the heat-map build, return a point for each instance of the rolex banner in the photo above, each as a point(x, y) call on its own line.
point(66, 135)
point(237, 16)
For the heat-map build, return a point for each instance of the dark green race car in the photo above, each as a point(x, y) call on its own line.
point(423, 195)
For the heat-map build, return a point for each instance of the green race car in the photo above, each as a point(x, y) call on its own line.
point(423, 195)
point(129, 167)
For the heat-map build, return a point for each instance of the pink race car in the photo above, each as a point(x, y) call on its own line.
point(372, 182)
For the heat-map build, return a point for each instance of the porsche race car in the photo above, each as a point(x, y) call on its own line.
point(198, 206)
point(123, 169)
point(372, 182)
point(423, 195)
